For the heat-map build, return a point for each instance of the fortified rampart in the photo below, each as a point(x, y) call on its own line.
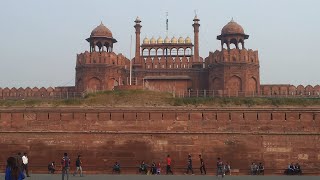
point(274, 136)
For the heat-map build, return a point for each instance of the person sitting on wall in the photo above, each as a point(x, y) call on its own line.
point(260, 169)
point(290, 169)
point(116, 168)
point(143, 168)
point(153, 168)
point(227, 169)
point(158, 168)
point(52, 167)
point(297, 169)
point(253, 169)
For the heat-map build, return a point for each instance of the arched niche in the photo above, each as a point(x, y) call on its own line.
point(145, 52)
point(188, 52)
point(160, 52)
point(252, 85)
point(234, 85)
point(216, 84)
point(94, 84)
point(153, 52)
point(181, 52)
point(174, 51)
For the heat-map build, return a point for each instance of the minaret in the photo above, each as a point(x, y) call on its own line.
point(196, 25)
point(137, 54)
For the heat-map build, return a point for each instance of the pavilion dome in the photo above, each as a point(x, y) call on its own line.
point(181, 40)
point(174, 40)
point(160, 40)
point(146, 41)
point(167, 40)
point(101, 31)
point(232, 28)
point(188, 40)
point(153, 40)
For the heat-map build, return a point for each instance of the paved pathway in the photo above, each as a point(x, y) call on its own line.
point(164, 177)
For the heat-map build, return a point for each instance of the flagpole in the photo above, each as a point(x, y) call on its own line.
point(167, 23)
point(166, 48)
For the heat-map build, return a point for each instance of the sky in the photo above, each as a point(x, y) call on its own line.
point(39, 40)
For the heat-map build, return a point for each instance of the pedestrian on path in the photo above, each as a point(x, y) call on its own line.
point(25, 162)
point(189, 168)
point(168, 169)
point(65, 164)
point(78, 166)
point(202, 166)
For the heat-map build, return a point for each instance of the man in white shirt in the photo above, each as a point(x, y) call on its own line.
point(25, 164)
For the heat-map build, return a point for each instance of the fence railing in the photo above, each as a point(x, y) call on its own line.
point(226, 93)
point(180, 94)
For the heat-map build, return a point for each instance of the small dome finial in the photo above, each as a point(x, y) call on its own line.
point(232, 20)
point(137, 20)
point(196, 19)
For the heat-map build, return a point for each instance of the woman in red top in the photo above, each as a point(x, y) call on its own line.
point(169, 165)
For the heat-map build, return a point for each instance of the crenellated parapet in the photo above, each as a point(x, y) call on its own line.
point(35, 92)
point(107, 58)
point(232, 56)
point(289, 90)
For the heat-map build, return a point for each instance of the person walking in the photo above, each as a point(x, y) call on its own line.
point(19, 162)
point(220, 170)
point(202, 166)
point(13, 171)
point(65, 164)
point(168, 169)
point(189, 168)
point(25, 162)
point(78, 166)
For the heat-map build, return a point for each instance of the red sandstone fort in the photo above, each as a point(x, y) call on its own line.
point(169, 64)
point(275, 136)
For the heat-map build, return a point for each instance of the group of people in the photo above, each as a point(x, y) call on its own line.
point(65, 165)
point(293, 169)
point(222, 169)
point(155, 168)
point(17, 167)
point(257, 169)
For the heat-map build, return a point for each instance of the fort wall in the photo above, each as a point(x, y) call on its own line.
point(275, 137)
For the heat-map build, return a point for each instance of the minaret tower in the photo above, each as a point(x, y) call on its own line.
point(196, 25)
point(137, 26)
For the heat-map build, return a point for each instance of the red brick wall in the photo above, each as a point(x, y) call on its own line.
point(272, 136)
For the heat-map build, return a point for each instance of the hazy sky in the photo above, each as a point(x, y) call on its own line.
point(39, 39)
